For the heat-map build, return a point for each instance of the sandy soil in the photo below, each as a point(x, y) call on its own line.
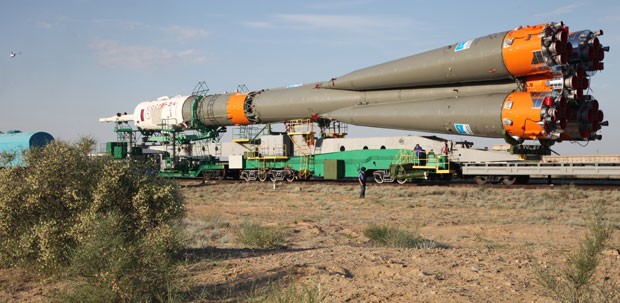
point(495, 239)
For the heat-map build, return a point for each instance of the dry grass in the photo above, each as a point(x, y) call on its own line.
point(394, 237)
point(204, 231)
point(254, 235)
point(562, 203)
point(496, 238)
point(293, 293)
point(576, 281)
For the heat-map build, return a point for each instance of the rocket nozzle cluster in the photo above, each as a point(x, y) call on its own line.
point(585, 60)
point(570, 59)
point(587, 50)
point(554, 44)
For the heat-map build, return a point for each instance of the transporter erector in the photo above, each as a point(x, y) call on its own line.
point(529, 83)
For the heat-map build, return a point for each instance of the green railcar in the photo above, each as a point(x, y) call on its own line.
point(192, 168)
point(385, 165)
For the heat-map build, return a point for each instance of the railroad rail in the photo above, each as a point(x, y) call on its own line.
point(534, 183)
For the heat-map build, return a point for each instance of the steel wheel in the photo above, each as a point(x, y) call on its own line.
point(481, 180)
point(509, 180)
point(245, 176)
point(290, 177)
point(262, 175)
point(378, 178)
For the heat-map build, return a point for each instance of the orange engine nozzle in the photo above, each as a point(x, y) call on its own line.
point(534, 49)
point(532, 115)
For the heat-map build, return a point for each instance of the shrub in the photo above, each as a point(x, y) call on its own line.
point(6, 158)
point(576, 282)
point(105, 221)
point(394, 237)
point(40, 204)
point(256, 236)
point(113, 265)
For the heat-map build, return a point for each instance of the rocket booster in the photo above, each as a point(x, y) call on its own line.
point(527, 83)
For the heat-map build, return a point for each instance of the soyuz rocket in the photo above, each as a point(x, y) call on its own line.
point(523, 84)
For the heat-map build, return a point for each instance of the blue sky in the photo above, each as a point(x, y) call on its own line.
point(81, 60)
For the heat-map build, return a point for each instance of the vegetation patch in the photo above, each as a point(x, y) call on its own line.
point(303, 293)
point(576, 281)
point(254, 235)
point(395, 237)
point(205, 231)
point(104, 225)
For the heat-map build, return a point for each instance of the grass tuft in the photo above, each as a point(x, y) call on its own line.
point(303, 293)
point(394, 237)
point(264, 237)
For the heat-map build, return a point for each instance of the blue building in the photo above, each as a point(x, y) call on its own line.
point(13, 142)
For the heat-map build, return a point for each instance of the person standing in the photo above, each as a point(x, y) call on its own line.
point(445, 150)
point(420, 155)
point(362, 180)
point(418, 150)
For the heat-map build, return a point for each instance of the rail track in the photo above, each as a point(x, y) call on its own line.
point(534, 183)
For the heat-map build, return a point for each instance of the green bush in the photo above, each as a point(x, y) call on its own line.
point(39, 204)
point(111, 268)
point(105, 221)
point(256, 236)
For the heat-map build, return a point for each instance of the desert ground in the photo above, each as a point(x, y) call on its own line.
point(493, 240)
point(489, 242)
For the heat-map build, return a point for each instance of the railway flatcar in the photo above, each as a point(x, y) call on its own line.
point(297, 154)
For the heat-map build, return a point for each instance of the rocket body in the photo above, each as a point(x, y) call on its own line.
point(527, 83)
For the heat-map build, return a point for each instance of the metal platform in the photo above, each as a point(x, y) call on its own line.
point(540, 168)
point(582, 159)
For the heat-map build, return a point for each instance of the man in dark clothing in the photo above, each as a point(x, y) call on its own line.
point(420, 155)
point(362, 181)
